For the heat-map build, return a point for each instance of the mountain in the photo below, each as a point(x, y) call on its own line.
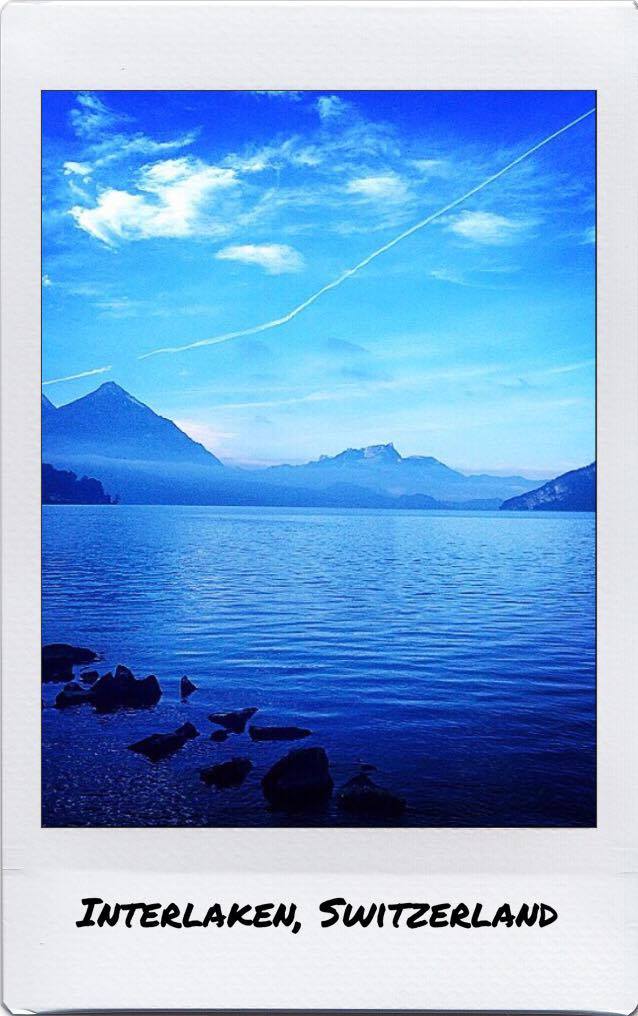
point(572, 492)
point(63, 487)
point(144, 458)
point(382, 469)
point(47, 407)
point(109, 423)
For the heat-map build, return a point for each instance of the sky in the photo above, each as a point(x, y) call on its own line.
point(175, 222)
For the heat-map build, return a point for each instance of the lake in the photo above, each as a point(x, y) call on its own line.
point(454, 651)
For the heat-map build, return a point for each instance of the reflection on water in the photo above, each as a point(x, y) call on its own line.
point(454, 651)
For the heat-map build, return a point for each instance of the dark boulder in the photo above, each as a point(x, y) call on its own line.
point(122, 690)
point(89, 676)
point(219, 736)
point(159, 746)
point(278, 733)
point(188, 731)
point(227, 774)
point(73, 694)
point(361, 796)
point(59, 658)
point(234, 722)
point(186, 687)
point(300, 779)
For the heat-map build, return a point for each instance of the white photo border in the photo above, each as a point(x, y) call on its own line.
point(588, 874)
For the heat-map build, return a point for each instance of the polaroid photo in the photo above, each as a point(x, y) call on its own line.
point(319, 478)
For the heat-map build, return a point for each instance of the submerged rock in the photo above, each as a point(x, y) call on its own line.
point(219, 736)
point(227, 774)
point(234, 722)
point(186, 687)
point(361, 796)
point(73, 694)
point(123, 690)
point(159, 746)
point(59, 658)
point(300, 779)
point(278, 733)
point(89, 676)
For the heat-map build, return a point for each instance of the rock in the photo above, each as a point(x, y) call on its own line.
point(188, 730)
point(186, 687)
point(234, 722)
point(59, 658)
point(278, 733)
point(73, 694)
point(159, 746)
point(122, 690)
point(89, 676)
point(361, 796)
point(219, 735)
point(227, 774)
point(299, 780)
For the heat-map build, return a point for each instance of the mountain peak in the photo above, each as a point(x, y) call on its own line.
point(114, 391)
point(110, 423)
point(386, 452)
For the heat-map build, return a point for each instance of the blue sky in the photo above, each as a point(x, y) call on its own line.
point(172, 218)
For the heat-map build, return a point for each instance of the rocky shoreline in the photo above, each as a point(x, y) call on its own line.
point(298, 781)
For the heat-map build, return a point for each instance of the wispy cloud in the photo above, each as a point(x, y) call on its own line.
point(449, 275)
point(487, 227)
point(91, 116)
point(387, 187)
point(331, 107)
point(349, 273)
point(274, 258)
point(290, 94)
point(430, 167)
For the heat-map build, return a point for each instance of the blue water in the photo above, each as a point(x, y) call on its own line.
point(453, 651)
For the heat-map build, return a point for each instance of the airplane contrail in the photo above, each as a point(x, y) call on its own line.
point(277, 322)
point(73, 377)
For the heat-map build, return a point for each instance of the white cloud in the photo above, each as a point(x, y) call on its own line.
point(122, 146)
point(449, 275)
point(486, 227)
point(430, 167)
point(46, 280)
point(331, 107)
point(387, 187)
point(83, 169)
point(290, 94)
point(176, 201)
point(91, 116)
point(274, 258)
point(119, 307)
point(101, 129)
point(589, 235)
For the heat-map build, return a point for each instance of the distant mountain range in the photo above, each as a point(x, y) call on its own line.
point(382, 469)
point(143, 458)
point(572, 492)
